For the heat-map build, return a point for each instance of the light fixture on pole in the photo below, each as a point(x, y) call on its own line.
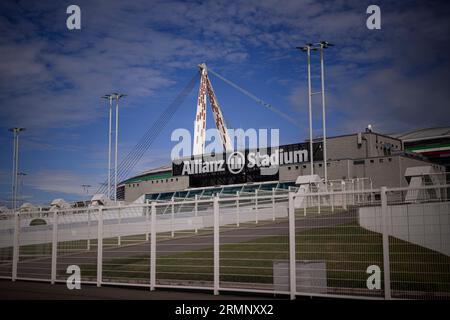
point(15, 132)
point(324, 45)
point(116, 96)
point(308, 48)
point(110, 98)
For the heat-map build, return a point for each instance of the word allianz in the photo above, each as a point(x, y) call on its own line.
point(277, 158)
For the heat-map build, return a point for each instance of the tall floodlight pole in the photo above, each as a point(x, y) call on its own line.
point(110, 97)
point(323, 45)
point(20, 185)
point(117, 96)
point(13, 174)
point(15, 132)
point(307, 48)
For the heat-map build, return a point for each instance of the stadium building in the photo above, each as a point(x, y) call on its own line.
point(380, 158)
point(433, 143)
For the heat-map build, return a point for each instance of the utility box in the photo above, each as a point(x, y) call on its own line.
point(311, 276)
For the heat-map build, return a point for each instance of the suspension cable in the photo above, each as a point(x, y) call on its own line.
point(258, 100)
point(133, 157)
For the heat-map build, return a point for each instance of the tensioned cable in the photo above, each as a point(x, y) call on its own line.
point(129, 162)
point(258, 100)
point(137, 152)
point(133, 157)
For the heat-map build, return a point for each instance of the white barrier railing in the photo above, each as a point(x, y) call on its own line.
point(251, 243)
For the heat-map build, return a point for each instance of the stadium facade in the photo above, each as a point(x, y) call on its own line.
point(381, 158)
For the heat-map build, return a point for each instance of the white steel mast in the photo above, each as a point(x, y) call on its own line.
point(200, 118)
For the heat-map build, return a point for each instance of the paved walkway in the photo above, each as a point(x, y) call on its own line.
point(44, 291)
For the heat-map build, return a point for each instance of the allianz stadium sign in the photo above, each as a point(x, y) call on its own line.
point(266, 161)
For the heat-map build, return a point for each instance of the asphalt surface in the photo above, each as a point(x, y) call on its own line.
point(25, 290)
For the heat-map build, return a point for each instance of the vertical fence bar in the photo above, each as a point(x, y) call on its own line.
point(237, 209)
point(88, 245)
point(172, 217)
point(371, 193)
point(386, 262)
point(147, 220)
point(15, 246)
point(54, 246)
point(256, 206)
point(273, 204)
point(332, 200)
point(292, 257)
point(100, 247)
point(353, 192)
point(318, 204)
point(196, 211)
point(344, 196)
point(305, 199)
point(119, 238)
point(363, 195)
point(153, 248)
point(216, 245)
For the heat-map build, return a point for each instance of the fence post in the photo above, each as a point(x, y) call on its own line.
point(216, 245)
point(386, 262)
point(15, 246)
point(99, 247)
point(273, 204)
point(357, 191)
point(172, 217)
point(237, 209)
point(371, 193)
point(196, 210)
point(344, 196)
point(147, 202)
point(318, 204)
point(153, 249)
point(332, 201)
point(353, 192)
point(361, 190)
point(292, 257)
point(89, 231)
point(305, 199)
point(119, 238)
point(54, 246)
point(256, 206)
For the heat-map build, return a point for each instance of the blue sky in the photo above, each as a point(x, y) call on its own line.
point(51, 79)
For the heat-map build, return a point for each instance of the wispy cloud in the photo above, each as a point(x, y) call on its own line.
point(51, 79)
point(61, 181)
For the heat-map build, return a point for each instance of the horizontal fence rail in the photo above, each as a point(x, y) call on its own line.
point(364, 243)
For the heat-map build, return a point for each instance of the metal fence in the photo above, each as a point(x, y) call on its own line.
point(368, 244)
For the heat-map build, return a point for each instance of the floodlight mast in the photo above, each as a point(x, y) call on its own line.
point(113, 96)
point(324, 45)
point(15, 132)
point(109, 97)
point(117, 96)
point(307, 48)
point(20, 176)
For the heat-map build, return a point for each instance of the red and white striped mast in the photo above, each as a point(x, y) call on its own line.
point(200, 118)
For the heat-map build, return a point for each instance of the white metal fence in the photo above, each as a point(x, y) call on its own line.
point(371, 243)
